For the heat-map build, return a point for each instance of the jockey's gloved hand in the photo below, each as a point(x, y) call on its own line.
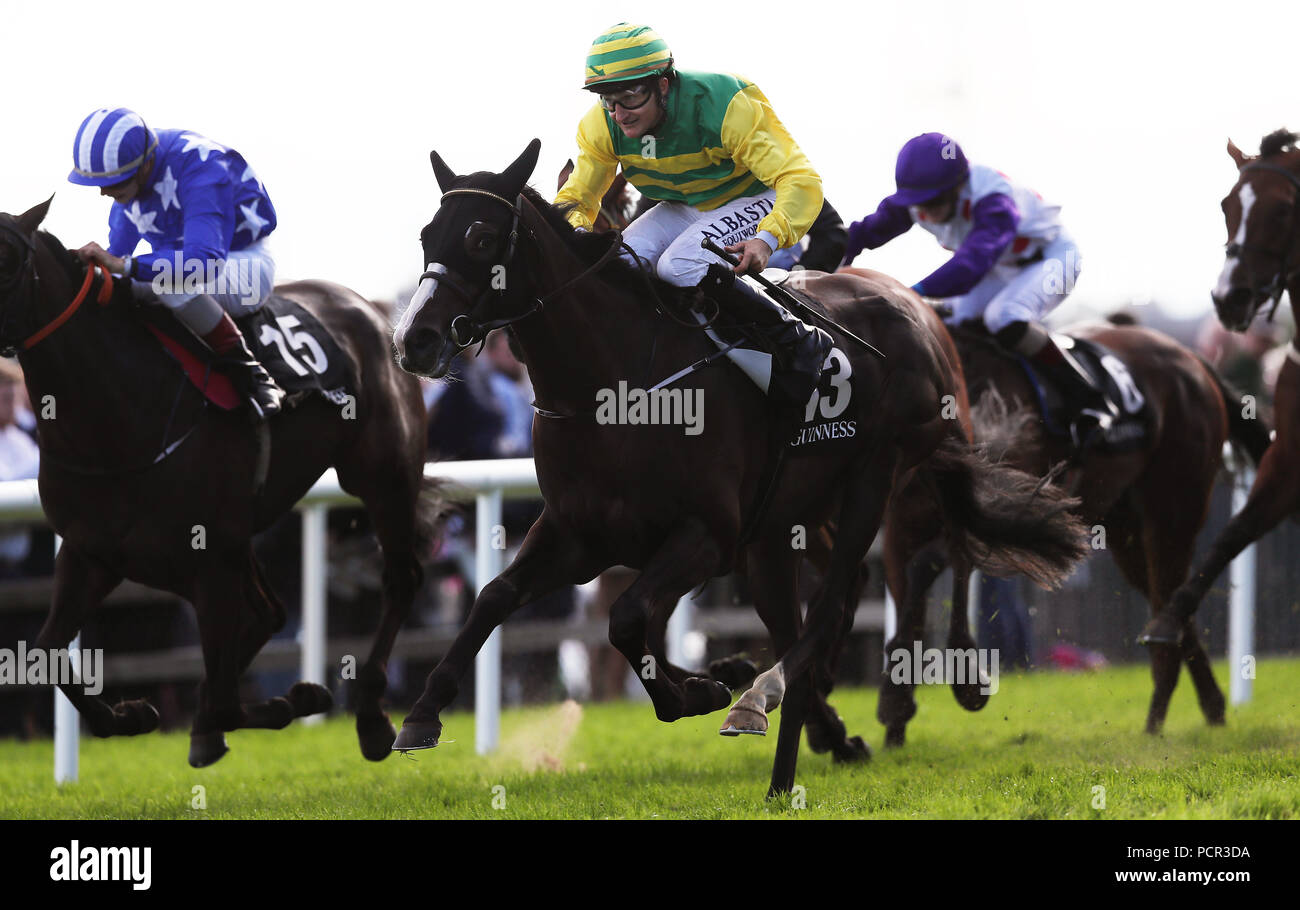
point(857, 242)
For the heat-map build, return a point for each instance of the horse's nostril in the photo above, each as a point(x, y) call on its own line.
point(422, 340)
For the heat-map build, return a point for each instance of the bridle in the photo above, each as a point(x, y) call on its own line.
point(465, 328)
point(1281, 278)
point(26, 278)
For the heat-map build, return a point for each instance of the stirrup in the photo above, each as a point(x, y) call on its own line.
point(1099, 423)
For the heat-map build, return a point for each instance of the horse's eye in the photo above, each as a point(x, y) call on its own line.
point(480, 241)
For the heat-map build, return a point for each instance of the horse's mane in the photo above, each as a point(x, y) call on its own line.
point(589, 247)
point(1277, 142)
point(67, 258)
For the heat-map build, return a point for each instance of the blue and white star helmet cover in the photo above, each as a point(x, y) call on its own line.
point(109, 147)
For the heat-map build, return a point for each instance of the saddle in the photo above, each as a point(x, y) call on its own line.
point(298, 352)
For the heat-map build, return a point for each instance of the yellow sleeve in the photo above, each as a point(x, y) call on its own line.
point(593, 173)
point(753, 136)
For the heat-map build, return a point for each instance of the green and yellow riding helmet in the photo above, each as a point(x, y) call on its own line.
point(626, 53)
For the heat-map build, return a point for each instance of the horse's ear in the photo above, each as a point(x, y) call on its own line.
point(522, 168)
point(1237, 154)
point(31, 219)
point(440, 170)
point(564, 173)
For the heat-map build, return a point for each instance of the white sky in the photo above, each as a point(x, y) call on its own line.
point(1117, 111)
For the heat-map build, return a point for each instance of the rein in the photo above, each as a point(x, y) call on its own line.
point(102, 297)
point(28, 275)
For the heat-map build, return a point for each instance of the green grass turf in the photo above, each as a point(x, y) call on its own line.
point(1037, 750)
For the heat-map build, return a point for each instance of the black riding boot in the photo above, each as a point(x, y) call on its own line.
point(800, 349)
point(1091, 410)
point(237, 363)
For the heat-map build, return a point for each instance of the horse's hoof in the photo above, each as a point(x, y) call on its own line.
point(855, 750)
point(734, 672)
point(376, 734)
point(309, 698)
point(969, 696)
point(416, 735)
point(703, 696)
point(730, 729)
point(895, 737)
point(743, 718)
point(272, 714)
point(820, 739)
point(131, 718)
point(1161, 630)
point(207, 748)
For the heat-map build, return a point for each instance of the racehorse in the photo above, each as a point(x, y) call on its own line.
point(1150, 502)
point(672, 504)
point(1263, 217)
point(144, 481)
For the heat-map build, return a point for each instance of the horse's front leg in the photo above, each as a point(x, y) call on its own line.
point(861, 512)
point(688, 557)
point(80, 585)
point(548, 559)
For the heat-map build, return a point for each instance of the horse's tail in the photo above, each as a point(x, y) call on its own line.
point(1248, 434)
point(432, 507)
point(1005, 521)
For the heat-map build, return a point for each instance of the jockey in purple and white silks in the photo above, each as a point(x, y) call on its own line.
point(205, 216)
point(1013, 262)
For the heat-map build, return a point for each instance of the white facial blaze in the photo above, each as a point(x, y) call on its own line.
point(422, 294)
point(1225, 285)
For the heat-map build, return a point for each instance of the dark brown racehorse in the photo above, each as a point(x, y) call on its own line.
point(1263, 217)
point(672, 504)
point(146, 482)
point(1151, 503)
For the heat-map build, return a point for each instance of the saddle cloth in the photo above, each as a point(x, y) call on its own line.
point(289, 341)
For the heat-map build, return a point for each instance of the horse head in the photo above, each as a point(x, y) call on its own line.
point(1263, 219)
point(469, 285)
point(18, 274)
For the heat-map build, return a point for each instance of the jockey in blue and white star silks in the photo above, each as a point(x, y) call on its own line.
point(204, 214)
point(1013, 261)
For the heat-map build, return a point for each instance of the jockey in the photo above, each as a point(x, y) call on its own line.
point(205, 216)
point(710, 149)
point(1013, 262)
